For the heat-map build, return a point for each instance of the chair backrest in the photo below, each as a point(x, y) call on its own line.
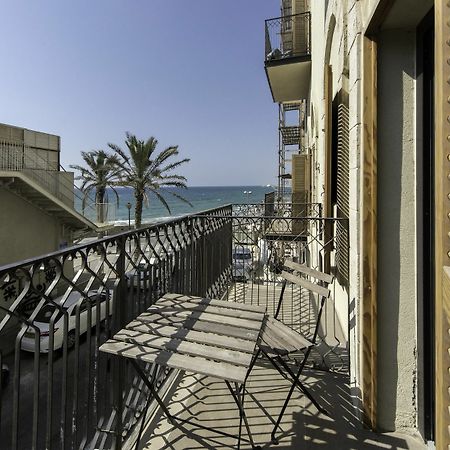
point(319, 287)
point(321, 276)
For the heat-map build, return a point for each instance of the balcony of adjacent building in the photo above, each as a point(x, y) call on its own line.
point(64, 393)
point(32, 172)
point(288, 56)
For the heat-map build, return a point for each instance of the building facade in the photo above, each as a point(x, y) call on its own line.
point(36, 197)
point(372, 79)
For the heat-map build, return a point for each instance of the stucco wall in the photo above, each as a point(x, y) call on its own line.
point(343, 27)
point(397, 231)
point(25, 230)
point(341, 48)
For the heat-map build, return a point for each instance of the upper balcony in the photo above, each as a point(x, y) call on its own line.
point(288, 56)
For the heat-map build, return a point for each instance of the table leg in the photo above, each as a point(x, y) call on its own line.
point(174, 420)
point(152, 390)
point(141, 428)
point(242, 416)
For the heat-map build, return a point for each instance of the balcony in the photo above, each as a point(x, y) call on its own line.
point(26, 173)
point(288, 56)
point(64, 393)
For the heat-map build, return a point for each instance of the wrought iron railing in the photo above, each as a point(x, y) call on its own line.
point(288, 36)
point(19, 157)
point(260, 246)
point(15, 156)
point(278, 209)
point(56, 310)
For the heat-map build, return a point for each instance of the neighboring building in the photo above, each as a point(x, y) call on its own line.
point(38, 214)
point(371, 81)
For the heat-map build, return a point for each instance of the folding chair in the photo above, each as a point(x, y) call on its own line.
point(277, 340)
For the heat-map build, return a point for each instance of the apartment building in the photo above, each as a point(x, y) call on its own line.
point(369, 83)
point(38, 213)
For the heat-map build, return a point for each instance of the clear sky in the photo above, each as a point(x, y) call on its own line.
point(189, 72)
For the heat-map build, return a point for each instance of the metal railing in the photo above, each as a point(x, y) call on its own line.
point(260, 246)
point(288, 36)
point(15, 156)
point(278, 209)
point(19, 157)
point(56, 310)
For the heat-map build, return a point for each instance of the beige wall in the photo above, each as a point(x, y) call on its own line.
point(41, 150)
point(343, 28)
point(397, 271)
point(341, 48)
point(25, 230)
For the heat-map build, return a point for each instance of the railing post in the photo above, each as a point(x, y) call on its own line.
point(119, 322)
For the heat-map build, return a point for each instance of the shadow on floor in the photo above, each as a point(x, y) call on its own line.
point(208, 401)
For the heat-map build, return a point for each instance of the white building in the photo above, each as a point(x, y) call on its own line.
point(370, 78)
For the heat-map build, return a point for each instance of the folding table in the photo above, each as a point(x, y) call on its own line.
point(209, 337)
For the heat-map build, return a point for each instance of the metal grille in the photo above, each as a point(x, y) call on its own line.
point(61, 307)
point(57, 310)
point(291, 135)
point(288, 36)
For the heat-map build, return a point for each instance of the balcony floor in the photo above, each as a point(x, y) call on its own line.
point(208, 401)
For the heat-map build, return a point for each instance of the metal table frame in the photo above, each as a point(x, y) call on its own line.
point(194, 313)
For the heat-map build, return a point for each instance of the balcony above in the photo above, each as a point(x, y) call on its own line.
point(291, 135)
point(288, 56)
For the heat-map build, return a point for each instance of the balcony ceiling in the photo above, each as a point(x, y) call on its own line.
point(289, 80)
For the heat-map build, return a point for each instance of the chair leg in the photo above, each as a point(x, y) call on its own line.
point(288, 398)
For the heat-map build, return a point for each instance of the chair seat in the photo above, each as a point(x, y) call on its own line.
point(277, 339)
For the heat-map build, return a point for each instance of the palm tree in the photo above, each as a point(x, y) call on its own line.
point(101, 171)
point(145, 171)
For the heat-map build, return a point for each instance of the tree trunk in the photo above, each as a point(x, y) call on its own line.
point(100, 204)
point(139, 196)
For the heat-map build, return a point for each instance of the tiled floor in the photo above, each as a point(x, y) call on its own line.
point(208, 401)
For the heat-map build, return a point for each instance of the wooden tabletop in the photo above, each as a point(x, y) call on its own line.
point(210, 337)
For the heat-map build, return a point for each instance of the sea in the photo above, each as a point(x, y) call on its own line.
point(201, 197)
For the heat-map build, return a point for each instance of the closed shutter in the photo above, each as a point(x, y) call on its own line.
point(327, 207)
point(342, 189)
point(300, 173)
point(343, 166)
point(301, 187)
point(300, 28)
point(299, 6)
point(328, 89)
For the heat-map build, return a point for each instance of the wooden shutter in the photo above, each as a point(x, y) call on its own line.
point(442, 220)
point(328, 92)
point(327, 207)
point(342, 190)
point(301, 188)
point(343, 159)
point(300, 173)
point(300, 28)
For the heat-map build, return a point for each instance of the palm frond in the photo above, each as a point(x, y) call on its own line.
point(162, 200)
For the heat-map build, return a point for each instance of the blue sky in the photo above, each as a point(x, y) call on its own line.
point(189, 72)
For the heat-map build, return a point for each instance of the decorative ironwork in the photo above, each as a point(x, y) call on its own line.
point(288, 36)
point(291, 135)
point(63, 306)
